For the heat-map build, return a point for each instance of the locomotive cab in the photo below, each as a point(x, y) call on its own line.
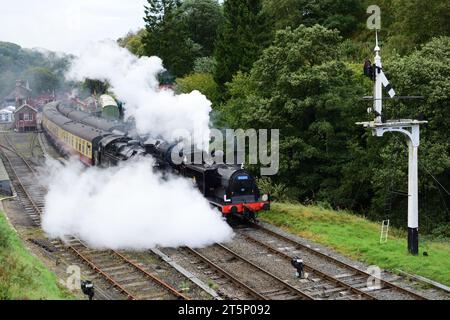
point(240, 187)
point(241, 195)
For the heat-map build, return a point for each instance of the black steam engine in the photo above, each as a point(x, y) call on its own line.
point(100, 142)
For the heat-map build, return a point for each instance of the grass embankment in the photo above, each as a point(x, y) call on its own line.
point(22, 275)
point(359, 239)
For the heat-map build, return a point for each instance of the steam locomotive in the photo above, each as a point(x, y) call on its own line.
point(102, 142)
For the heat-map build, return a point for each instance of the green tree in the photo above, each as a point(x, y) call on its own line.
point(241, 38)
point(18, 63)
point(167, 37)
point(300, 86)
point(201, 20)
point(41, 80)
point(134, 42)
point(205, 65)
point(343, 15)
point(416, 22)
point(203, 82)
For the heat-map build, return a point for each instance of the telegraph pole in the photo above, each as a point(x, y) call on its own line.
point(408, 127)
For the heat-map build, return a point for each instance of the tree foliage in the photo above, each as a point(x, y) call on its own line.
point(202, 82)
point(44, 69)
point(241, 38)
point(180, 32)
point(41, 80)
point(134, 42)
point(300, 87)
point(344, 15)
point(201, 20)
point(166, 38)
point(416, 22)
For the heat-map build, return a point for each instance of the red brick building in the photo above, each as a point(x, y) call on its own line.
point(25, 119)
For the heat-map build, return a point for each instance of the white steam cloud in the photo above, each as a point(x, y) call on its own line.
point(131, 206)
point(128, 207)
point(134, 81)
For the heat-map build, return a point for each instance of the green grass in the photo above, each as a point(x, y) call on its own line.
point(358, 238)
point(22, 275)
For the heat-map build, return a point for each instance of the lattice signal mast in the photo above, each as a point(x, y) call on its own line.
point(408, 127)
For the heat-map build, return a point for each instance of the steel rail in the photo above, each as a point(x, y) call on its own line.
point(287, 285)
point(21, 184)
point(311, 269)
point(338, 262)
point(227, 274)
point(162, 283)
point(271, 275)
point(93, 266)
point(14, 149)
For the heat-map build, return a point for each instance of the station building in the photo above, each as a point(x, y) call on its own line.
point(25, 119)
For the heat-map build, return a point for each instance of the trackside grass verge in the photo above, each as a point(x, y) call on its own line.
point(22, 275)
point(358, 238)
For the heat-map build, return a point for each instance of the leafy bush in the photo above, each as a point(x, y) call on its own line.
point(205, 65)
point(203, 82)
point(277, 191)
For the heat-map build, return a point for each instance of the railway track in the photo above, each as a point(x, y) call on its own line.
point(23, 177)
point(255, 281)
point(342, 274)
point(127, 276)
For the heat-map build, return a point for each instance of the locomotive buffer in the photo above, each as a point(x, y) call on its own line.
point(408, 127)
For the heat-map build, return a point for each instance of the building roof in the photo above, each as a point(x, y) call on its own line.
point(3, 174)
point(24, 106)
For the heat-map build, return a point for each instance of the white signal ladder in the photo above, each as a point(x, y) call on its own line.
point(384, 231)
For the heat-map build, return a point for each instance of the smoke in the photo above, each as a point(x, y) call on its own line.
point(128, 207)
point(131, 206)
point(134, 81)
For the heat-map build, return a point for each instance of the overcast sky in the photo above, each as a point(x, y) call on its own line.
point(67, 25)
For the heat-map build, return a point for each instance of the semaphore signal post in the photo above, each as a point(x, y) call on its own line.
point(409, 128)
